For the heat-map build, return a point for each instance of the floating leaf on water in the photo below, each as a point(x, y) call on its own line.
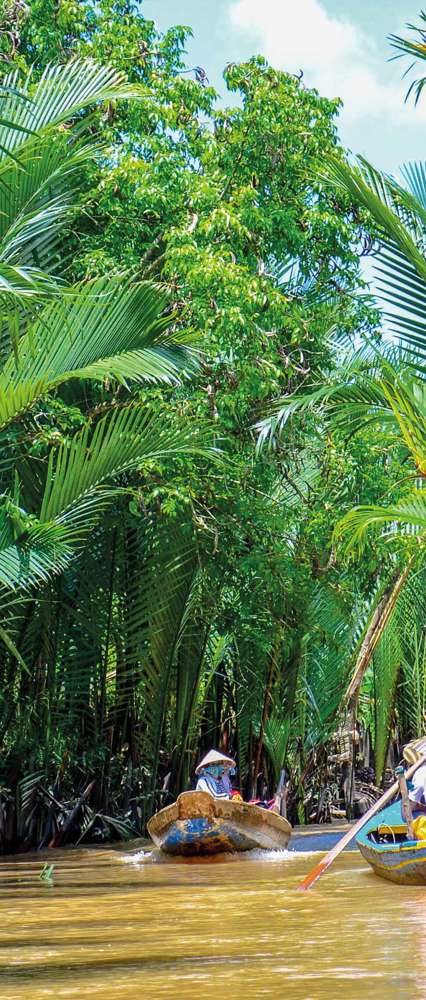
point(47, 873)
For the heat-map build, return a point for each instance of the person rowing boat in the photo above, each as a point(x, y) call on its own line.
point(417, 786)
point(417, 791)
point(214, 775)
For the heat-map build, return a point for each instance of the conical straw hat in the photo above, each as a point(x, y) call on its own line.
point(415, 750)
point(214, 757)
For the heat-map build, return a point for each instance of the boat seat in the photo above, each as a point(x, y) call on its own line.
point(396, 830)
point(388, 833)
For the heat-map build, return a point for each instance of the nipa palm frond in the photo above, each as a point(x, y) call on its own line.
point(356, 524)
point(62, 91)
point(415, 48)
point(73, 338)
point(401, 264)
point(78, 472)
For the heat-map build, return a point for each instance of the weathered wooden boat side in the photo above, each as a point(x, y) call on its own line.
point(400, 860)
point(198, 824)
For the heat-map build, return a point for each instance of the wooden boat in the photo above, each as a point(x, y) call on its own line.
point(383, 843)
point(198, 824)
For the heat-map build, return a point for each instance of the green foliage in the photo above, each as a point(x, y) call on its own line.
point(177, 268)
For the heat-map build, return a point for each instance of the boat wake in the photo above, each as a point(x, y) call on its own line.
point(159, 857)
point(140, 857)
point(258, 855)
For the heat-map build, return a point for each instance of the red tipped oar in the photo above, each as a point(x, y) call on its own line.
point(347, 837)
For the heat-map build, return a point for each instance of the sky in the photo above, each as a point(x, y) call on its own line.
point(341, 46)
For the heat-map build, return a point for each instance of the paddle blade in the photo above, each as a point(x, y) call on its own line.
point(312, 876)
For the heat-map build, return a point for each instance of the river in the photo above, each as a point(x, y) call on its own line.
point(127, 926)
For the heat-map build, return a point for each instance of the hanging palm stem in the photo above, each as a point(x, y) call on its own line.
point(375, 631)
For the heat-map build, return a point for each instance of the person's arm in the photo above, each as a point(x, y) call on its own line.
point(416, 790)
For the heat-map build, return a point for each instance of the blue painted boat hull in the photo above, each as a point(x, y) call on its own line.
point(198, 825)
point(202, 836)
point(399, 860)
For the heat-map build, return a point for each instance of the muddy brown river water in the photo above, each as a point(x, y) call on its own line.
point(123, 926)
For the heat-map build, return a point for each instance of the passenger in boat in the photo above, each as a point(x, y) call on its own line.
point(417, 790)
point(213, 773)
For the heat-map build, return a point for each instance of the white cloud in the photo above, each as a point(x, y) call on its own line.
point(336, 57)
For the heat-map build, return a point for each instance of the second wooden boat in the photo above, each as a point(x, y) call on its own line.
point(383, 843)
point(198, 824)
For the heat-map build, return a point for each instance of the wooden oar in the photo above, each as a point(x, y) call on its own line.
point(405, 801)
point(346, 839)
point(280, 796)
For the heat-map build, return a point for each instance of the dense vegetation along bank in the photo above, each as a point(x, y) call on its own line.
point(212, 460)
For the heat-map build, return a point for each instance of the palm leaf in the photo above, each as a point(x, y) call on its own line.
point(122, 440)
point(36, 201)
point(352, 401)
point(73, 337)
point(414, 175)
point(357, 522)
point(401, 265)
point(62, 92)
point(415, 48)
point(44, 552)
